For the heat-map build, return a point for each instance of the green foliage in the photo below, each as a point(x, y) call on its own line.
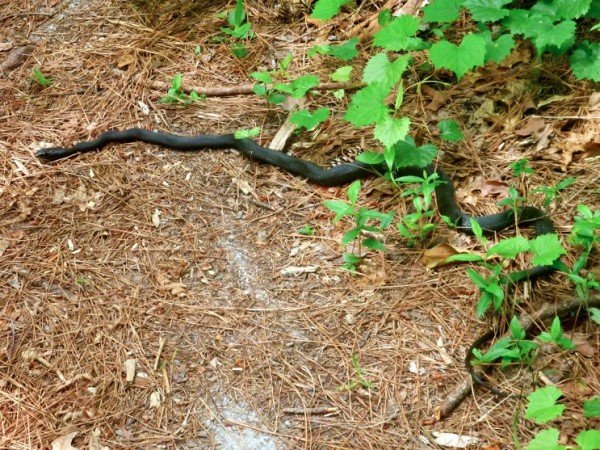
point(486, 10)
point(368, 105)
point(40, 78)
point(594, 314)
point(546, 440)
point(247, 133)
point(175, 93)
point(345, 51)
point(586, 229)
point(459, 58)
point(497, 50)
point(521, 167)
point(556, 335)
point(399, 34)
point(585, 61)
point(326, 9)
point(542, 406)
point(588, 440)
point(442, 11)
point(449, 131)
point(306, 230)
point(591, 407)
point(305, 119)
point(342, 74)
point(358, 379)
point(509, 350)
point(239, 28)
point(379, 69)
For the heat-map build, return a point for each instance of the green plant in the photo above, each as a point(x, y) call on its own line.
point(556, 335)
point(551, 192)
point(175, 93)
point(585, 234)
point(364, 226)
point(307, 230)
point(247, 133)
point(239, 27)
point(521, 167)
point(40, 78)
point(358, 379)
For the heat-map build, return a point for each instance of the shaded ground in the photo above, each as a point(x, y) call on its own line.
point(174, 260)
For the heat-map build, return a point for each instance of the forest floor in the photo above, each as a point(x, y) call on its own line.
point(171, 265)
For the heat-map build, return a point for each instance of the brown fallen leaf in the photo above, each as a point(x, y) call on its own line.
point(64, 442)
point(494, 188)
point(582, 345)
point(436, 256)
point(15, 58)
point(532, 125)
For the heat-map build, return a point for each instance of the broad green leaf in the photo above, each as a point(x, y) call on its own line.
point(542, 406)
point(409, 155)
point(588, 440)
point(546, 440)
point(260, 89)
point(442, 11)
point(342, 74)
point(368, 105)
point(510, 247)
point(373, 244)
point(499, 49)
point(263, 77)
point(339, 207)
point(546, 249)
point(465, 257)
point(285, 62)
point(373, 158)
point(345, 51)
point(591, 407)
point(571, 9)
point(384, 17)
point(517, 21)
point(516, 330)
point(326, 9)
point(247, 133)
point(449, 131)
point(477, 279)
point(391, 130)
point(397, 34)
point(353, 191)
point(585, 61)
point(487, 10)
point(594, 314)
point(302, 85)
point(305, 119)
point(177, 81)
point(459, 59)
point(549, 34)
point(238, 13)
point(380, 69)
point(350, 236)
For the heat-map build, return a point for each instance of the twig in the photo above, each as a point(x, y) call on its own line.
point(312, 411)
point(245, 89)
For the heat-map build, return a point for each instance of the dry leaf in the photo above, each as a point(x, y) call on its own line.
point(156, 218)
point(583, 345)
point(125, 60)
point(436, 256)
point(454, 440)
point(64, 442)
point(542, 138)
point(15, 58)
point(532, 125)
point(494, 188)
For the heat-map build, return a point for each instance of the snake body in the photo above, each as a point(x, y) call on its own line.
point(333, 176)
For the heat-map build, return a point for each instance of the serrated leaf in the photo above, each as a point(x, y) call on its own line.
point(350, 236)
point(373, 244)
point(300, 86)
point(585, 61)
point(305, 119)
point(338, 207)
point(549, 34)
point(546, 249)
point(459, 59)
point(391, 130)
point(368, 105)
point(380, 69)
point(408, 155)
point(342, 74)
point(591, 407)
point(542, 406)
point(571, 9)
point(345, 51)
point(442, 11)
point(326, 9)
point(487, 10)
point(373, 158)
point(397, 34)
point(546, 440)
point(247, 133)
point(510, 247)
point(588, 440)
point(517, 21)
point(260, 89)
point(449, 131)
point(263, 77)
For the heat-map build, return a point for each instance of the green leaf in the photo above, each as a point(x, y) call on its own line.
point(546, 440)
point(487, 10)
point(442, 11)
point(510, 247)
point(459, 59)
point(177, 81)
point(40, 78)
point(239, 50)
point(546, 249)
point(516, 330)
point(305, 119)
point(339, 207)
point(350, 236)
point(549, 34)
point(449, 131)
point(373, 244)
point(499, 49)
point(285, 62)
point(367, 105)
point(384, 17)
point(571, 9)
point(380, 69)
point(594, 314)
point(591, 407)
point(563, 184)
point(342, 74)
point(542, 405)
point(391, 130)
point(353, 191)
point(263, 77)
point(373, 158)
point(588, 440)
point(518, 21)
point(585, 61)
point(345, 51)
point(260, 90)
point(409, 155)
point(397, 34)
point(326, 9)
point(247, 133)
point(238, 13)
point(464, 257)
point(300, 86)
point(306, 230)
point(477, 279)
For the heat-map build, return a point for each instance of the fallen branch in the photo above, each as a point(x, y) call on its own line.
point(465, 386)
point(245, 89)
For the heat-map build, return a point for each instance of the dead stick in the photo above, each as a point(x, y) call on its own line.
point(547, 311)
point(311, 411)
point(245, 89)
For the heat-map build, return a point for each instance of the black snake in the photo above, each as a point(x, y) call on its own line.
point(334, 176)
